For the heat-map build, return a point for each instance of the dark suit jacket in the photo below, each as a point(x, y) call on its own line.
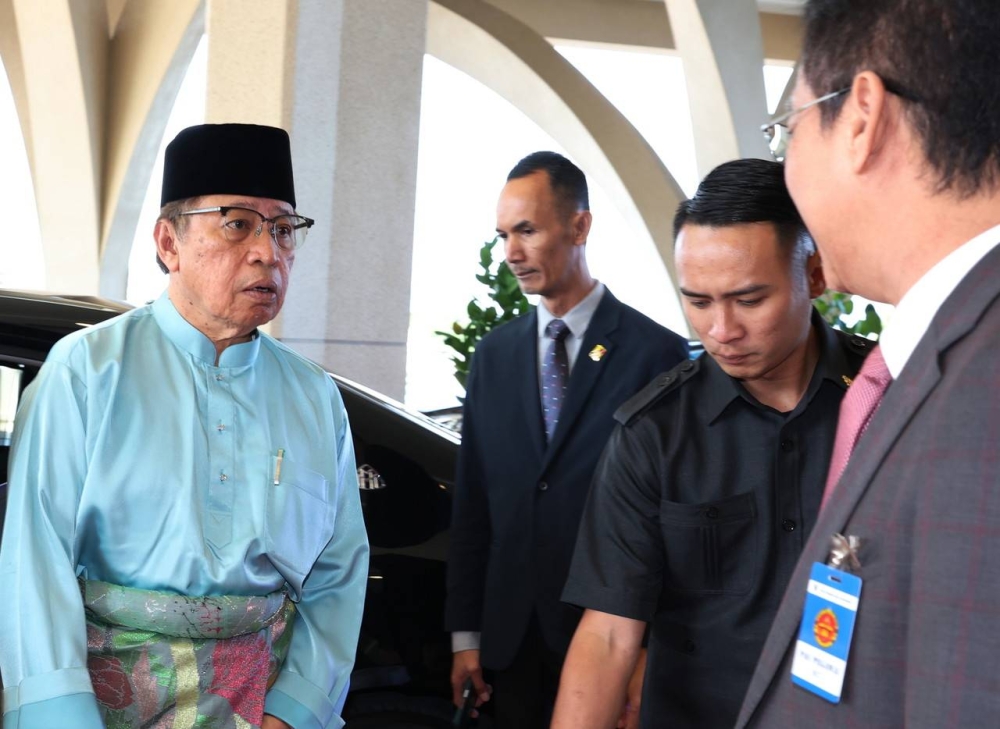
point(923, 489)
point(518, 502)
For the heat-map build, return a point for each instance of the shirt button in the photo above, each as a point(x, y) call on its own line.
point(788, 525)
point(220, 427)
point(688, 646)
point(223, 477)
point(787, 445)
point(712, 512)
point(543, 486)
point(218, 378)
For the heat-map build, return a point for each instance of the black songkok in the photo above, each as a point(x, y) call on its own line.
point(228, 159)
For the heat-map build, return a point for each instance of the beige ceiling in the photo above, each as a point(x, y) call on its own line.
point(556, 19)
point(787, 7)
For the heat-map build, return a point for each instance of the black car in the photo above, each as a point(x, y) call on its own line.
point(406, 467)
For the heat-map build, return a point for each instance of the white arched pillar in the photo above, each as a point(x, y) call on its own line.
point(10, 52)
point(723, 53)
point(58, 62)
point(344, 77)
point(520, 65)
point(150, 52)
point(251, 60)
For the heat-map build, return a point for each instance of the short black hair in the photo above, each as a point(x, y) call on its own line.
point(569, 184)
point(938, 56)
point(745, 191)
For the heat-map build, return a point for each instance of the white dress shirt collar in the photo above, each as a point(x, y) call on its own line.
point(919, 305)
point(577, 319)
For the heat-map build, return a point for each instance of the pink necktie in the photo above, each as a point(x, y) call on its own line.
point(856, 410)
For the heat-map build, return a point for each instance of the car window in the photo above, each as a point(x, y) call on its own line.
point(14, 377)
point(10, 390)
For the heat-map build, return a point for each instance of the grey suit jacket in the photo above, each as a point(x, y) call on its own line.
point(923, 490)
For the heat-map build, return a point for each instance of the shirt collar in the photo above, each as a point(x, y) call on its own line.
point(578, 318)
point(186, 337)
point(832, 365)
point(720, 390)
point(920, 304)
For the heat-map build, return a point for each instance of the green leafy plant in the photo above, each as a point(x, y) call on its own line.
point(834, 305)
point(506, 302)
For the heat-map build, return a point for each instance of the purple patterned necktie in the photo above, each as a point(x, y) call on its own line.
point(555, 374)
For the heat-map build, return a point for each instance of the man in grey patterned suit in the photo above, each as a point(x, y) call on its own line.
point(895, 166)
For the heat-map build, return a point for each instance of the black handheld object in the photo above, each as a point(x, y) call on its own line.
point(463, 714)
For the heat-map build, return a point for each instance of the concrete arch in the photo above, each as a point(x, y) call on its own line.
point(723, 53)
point(10, 53)
point(516, 62)
point(150, 52)
point(61, 116)
point(94, 84)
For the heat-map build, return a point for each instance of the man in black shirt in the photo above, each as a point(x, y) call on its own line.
point(714, 474)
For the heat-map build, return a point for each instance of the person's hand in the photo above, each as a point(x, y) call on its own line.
point(273, 722)
point(630, 714)
point(465, 664)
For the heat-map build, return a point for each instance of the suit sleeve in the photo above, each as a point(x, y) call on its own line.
point(43, 639)
point(470, 522)
point(312, 687)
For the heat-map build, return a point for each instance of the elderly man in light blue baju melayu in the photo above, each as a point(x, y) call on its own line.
point(184, 543)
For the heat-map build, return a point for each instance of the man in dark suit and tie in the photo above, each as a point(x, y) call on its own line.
point(895, 166)
point(539, 404)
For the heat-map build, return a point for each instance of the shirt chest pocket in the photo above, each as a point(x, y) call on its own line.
point(710, 547)
point(300, 515)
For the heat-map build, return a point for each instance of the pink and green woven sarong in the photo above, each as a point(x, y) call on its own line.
point(163, 661)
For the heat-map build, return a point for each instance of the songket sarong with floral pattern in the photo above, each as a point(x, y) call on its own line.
point(160, 661)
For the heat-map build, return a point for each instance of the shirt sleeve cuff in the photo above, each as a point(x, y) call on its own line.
point(300, 704)
point(464, 640)
point(52, 713)
point(613, 601)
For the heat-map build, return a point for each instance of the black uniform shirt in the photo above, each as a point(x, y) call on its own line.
point(700, 506)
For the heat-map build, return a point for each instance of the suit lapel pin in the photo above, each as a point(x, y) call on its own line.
point(847, 380)
point(598, 352)
point(844, 553)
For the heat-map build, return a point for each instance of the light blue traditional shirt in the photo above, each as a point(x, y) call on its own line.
point(137, 461)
